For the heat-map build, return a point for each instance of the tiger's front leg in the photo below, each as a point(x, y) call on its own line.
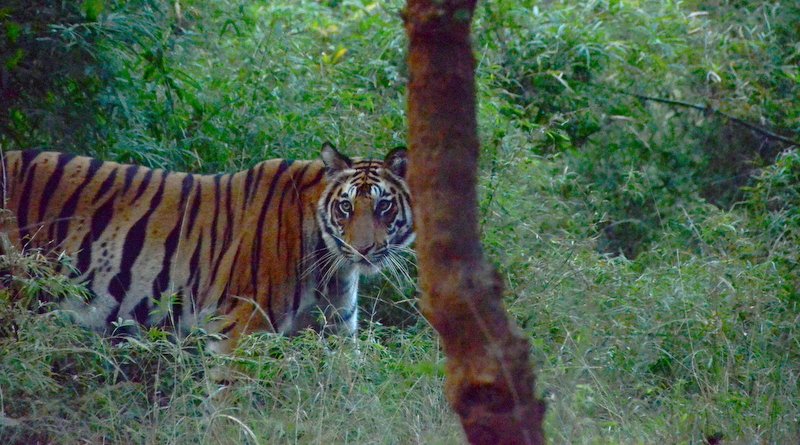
point(331, 308)
point(339, 304)
point(329, 316)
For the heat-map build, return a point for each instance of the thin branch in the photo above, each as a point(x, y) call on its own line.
point(707, 110)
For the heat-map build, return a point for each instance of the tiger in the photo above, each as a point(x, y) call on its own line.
point(279, 247)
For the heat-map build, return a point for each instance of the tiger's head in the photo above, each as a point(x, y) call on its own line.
point(365, 211)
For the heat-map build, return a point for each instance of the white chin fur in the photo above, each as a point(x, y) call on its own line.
point(367, 269)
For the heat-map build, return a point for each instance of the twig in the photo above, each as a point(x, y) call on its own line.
point(708, 110)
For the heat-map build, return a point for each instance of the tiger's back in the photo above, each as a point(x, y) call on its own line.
point(241, 246)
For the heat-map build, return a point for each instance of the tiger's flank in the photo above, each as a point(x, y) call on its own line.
point(279, 247)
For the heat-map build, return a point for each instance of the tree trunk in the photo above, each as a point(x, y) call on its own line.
point(490, 384)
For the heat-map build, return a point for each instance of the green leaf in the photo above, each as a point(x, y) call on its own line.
point(13, 31)
point(9, 422)
point(92, 8)
point(14, 60)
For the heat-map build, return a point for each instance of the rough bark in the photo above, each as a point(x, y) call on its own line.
point(490, 384)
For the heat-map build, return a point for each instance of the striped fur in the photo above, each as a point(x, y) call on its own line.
point(259, 250)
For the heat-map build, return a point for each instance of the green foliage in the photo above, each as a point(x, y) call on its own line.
point(48, 85)
point(650, 250)
point(773, 204)
point(152, 389)
point(563, 70)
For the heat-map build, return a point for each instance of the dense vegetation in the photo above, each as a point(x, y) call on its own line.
point(651, 250)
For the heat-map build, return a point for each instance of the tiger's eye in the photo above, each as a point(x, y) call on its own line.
point(345, 206)
point(383, 206)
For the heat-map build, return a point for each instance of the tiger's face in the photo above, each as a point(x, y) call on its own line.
point(365, 211)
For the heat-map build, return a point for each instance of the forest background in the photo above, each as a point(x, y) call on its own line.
point(650, 249)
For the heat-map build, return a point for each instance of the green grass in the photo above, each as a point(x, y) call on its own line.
point(62, 384)
point(650, 251)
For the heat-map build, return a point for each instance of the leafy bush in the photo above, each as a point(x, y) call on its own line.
point(569, 72)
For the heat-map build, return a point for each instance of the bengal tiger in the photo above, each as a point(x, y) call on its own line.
point(265, 249)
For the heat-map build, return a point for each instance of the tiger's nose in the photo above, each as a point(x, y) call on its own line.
point(365, 250)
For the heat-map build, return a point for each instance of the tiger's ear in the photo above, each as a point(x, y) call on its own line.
point(397, 161)
point(333, 160)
